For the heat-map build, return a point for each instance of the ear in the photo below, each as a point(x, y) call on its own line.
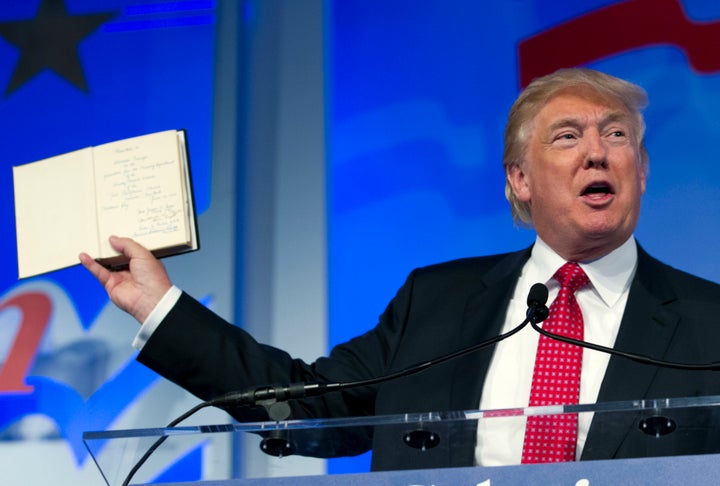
point(643, 178)
point(518, 180)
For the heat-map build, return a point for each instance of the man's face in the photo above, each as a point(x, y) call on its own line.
point(582, 174)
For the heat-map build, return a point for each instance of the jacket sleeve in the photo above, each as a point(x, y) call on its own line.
point(196, 349)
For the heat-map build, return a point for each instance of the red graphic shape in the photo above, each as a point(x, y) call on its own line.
point(35, 308)
point(616, 29)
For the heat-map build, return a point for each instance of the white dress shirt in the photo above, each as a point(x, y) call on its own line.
point(509, 377)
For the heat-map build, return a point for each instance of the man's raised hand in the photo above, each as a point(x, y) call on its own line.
point(139, 288)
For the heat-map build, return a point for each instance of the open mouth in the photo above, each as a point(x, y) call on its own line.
point(598, 189)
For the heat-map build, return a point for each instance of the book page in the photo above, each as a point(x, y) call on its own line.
point(140, 192)
point(54, 212)
point(187, 191)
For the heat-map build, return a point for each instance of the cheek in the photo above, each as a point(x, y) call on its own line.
point(637, 177)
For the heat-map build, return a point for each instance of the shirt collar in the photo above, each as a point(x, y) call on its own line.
point(610, 275)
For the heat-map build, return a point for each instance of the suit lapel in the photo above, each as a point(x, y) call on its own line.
point(647, 328)
point(483, 319)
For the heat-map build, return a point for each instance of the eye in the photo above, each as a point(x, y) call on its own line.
point(566, 136)
point(618, 135)
point(617, 130)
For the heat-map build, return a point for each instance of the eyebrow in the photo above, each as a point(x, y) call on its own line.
point(574, 121)
point(616, 116)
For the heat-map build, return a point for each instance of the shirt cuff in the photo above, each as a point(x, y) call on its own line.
point(161, 310)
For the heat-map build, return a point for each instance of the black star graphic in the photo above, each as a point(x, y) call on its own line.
point(50, 41)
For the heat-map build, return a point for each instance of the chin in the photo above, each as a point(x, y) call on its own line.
point(606, 233)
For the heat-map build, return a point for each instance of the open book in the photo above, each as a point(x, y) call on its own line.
point(138, 187)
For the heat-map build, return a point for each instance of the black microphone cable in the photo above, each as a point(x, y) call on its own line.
point(632, 356)
point(537, 311)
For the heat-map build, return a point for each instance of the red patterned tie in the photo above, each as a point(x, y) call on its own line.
point(556, 378)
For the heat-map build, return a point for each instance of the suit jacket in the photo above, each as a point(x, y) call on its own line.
point(670, 315)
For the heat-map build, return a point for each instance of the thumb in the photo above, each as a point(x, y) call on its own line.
point(128, 247)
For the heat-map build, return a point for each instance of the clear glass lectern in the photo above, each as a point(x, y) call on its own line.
point(435, 440)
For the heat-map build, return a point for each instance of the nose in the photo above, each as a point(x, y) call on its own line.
point(596, 154)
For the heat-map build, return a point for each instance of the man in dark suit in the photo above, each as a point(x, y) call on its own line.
point(576, 169)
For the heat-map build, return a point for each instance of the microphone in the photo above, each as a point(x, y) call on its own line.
point(614, 352)
point(537, 297)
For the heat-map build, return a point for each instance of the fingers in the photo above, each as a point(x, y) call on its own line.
point(101, 273)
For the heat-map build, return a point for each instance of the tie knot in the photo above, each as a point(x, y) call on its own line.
point(571, 276)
